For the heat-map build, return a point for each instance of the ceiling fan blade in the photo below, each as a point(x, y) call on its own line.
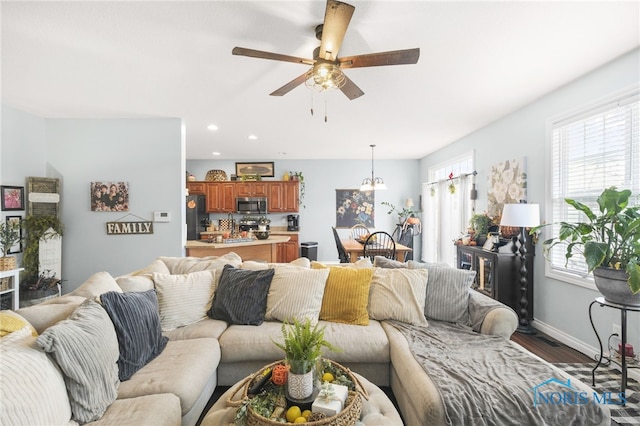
point(241, 51)
point(290, 86)
point(350, 89)
point(336, 21)
point(394, 57)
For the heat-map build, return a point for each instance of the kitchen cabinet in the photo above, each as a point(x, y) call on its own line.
point(284, 197)
point(289, 251)
point(196, 188)
point(251, 189)
point(221, 197)
point(498, 273)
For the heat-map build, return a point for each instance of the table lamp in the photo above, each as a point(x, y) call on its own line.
point(523, 216)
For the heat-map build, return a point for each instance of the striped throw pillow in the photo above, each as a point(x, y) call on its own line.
point(346, 295)
point(183, 299)
point(398, 294)
point(296, 293)
point(448, 294)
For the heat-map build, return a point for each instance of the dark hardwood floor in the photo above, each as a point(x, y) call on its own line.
point(548, 348)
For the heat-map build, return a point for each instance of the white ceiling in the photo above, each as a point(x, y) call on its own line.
point(479, 61)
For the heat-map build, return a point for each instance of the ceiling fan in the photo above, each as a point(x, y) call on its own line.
point(326, 68)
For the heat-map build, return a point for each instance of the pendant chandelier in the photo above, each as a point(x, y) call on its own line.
point(373, 183)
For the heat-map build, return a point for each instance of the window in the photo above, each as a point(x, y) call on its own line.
point(591, 149)
point(448, 210)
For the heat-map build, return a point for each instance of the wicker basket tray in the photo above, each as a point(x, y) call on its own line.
point(349, 415)
point(216, 176)
point(7, 263)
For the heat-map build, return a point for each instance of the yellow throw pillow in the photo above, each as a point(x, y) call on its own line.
point(346, 294)
point(11, 321)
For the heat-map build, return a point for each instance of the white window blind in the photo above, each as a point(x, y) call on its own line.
point(593, 149)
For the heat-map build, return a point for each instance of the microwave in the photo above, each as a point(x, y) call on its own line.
point(251, 205)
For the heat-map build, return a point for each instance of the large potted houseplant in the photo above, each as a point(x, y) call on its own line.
point(302, 346)
point(9, 236)
point(609, 240)
point(38, 228)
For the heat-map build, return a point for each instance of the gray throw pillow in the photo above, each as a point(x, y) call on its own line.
point(136, 318)
point(85, 347)
point(448, 294)
point(241, 296)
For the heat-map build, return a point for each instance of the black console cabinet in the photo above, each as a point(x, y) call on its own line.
point(498, 273)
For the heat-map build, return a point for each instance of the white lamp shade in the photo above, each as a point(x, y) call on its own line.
point(521, 215)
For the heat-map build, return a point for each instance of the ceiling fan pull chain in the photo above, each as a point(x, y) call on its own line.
point(311, 103)
point(325, 108)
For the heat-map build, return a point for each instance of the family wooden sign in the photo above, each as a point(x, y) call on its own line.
point(129, 228)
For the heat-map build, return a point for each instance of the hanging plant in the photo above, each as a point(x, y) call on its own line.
point(452, 188)
point(433, 191)
point(36, 228)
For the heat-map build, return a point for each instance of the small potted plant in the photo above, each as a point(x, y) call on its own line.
point(9, 236)
point(298, 176)
point(609, 240)
point(403, 215)
point(302, 346)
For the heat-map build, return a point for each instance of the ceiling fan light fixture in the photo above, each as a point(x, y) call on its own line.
point(325, 76)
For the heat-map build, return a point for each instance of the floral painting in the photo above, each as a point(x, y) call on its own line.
point(353, 206)
point(507, 184)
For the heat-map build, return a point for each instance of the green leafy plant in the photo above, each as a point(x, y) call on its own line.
point(36, 227)
point(480, 223)
point(403, 214)
point(303, 345)
point(299, 177)
point(9, 236)
point(610, 238)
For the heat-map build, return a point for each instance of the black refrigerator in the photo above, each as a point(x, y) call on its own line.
point(197, 218)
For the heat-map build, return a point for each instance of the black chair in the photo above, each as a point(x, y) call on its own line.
point(380, 243)
point(342, 253)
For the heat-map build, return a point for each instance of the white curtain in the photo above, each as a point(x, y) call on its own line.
point(447, 209)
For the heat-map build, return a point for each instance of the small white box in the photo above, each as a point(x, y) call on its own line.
point(332, 406)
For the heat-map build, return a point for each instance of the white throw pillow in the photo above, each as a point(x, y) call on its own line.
point(296, 293)
point(184, 299)
point(398, 294)
point(142, 282)
point(33, 390)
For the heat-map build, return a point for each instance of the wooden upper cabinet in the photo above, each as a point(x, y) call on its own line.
point(283, 197)
point(196, 188)
point(221, 197)
point(251, 189)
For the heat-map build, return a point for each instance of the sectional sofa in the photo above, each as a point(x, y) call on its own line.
point(150, 347)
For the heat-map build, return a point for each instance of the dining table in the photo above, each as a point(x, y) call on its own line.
point(355, 249)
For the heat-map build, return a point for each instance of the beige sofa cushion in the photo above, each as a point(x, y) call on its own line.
point(206, 328)
point(398, 294)
point(96, 284)
point(157, 410)
point(46, 314)
point(186, 265)
point(138, 283)
point(301, 262)
point(296, 293)
point(185, 298)
point(33, 390)
point(183, 369)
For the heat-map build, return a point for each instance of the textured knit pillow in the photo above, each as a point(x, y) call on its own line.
point(33, 390)
point(137, 322)
point(183, 299)
point(85, 347)
point(346, 295)
point(448, 294)
point(296, 293)
point(398, 294)
point(241, 296)
point(11, 321)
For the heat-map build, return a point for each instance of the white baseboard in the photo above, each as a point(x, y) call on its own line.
point(578, 345)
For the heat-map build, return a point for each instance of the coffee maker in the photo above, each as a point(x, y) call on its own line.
point(293, 222)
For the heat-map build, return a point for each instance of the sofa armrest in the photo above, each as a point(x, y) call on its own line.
point(488, 316)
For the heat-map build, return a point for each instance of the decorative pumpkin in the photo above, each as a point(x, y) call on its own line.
point(279, 375)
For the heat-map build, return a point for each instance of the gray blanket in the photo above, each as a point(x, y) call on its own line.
point(485, 380)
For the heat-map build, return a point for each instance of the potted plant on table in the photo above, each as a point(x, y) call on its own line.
point(609, 240)
point(302, 346)
point(10, 235)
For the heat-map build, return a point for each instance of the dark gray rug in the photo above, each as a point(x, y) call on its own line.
point(608, 380)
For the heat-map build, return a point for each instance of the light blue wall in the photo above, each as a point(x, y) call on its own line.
point(562, 307)
point(322, 178)
point(147, 153)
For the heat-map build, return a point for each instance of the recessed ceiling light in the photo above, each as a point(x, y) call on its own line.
point(212, 127)
point(282, 153)
point(253, 137)
point(215, 153)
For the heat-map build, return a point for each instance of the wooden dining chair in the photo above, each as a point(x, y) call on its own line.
point(342, 253)
point(359, 231)
point(380, 243)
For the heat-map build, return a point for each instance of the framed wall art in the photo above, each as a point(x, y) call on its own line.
point(12, 197)
point(354, 206)
point(264, 169)
point(15, 221)
point(109, 196)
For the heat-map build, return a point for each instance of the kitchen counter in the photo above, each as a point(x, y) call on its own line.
point(260, 250)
